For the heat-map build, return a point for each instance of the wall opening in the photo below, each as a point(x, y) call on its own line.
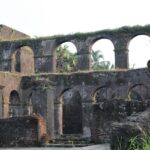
point(138, 92)
point(102, 93)
point(139, 51)
point(14, 104)
point(23, 61)
point(102, 55)
point(71, 112)
point(66, 57)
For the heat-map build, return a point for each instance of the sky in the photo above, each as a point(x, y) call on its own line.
point(52, 17)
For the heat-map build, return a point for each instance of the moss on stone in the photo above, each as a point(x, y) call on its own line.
point(82, 36)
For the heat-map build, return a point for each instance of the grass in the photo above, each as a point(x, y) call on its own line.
point(147, 147)
point(136, 143)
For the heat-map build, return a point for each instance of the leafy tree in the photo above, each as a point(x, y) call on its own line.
point(66, 61)
point(98, 62)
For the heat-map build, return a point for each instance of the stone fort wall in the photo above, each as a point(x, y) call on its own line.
point(71, 104)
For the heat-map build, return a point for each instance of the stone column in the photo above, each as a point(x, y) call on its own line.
point(45, 57)
point(121, 53)
point(121, 59)
point(44, 63)
point(50, 112)
point(1, 104)
point(58, 119)
point(83, 55)
point(83, 61)
point(87, 119)
point(4, 103)
point(39, 101)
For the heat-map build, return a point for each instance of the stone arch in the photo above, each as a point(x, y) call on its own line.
point(14, 104)
point(139, 48)
point(61, 93)
point(66, 58)
point(105, 47)
point(23, 60)
point(102, 93)
point(71, 112)
point(137, 92)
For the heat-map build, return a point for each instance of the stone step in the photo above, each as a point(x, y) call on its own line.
point(70, 141)
point(66, 145)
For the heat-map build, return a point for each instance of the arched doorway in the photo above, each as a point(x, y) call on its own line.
point(101, 94)
point(14, 104)
point(71, 112)
point(138, 92)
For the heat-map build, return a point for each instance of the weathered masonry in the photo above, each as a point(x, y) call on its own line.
point(81, 105)
point(43, 50)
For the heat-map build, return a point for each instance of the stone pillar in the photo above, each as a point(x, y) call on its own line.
point(87, 119)
point(83, 61)
point(121, 52)
point(58, 119)
point(121, 59)
point(45, 57)
point(83, 55)
point(45, 63)
point(39, 101)
point(50, 112)
point(1, 104)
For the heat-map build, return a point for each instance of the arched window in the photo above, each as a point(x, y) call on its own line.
point(138, 92)
point(102, 55)
point(66, 57)
point(71, 112)
point(102, 93)
point(139, 51)
point(23, 61)
point(14, 104)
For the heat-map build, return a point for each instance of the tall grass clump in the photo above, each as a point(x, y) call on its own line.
point(136, 143)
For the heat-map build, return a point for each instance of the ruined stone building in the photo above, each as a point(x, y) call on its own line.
point(82, 104)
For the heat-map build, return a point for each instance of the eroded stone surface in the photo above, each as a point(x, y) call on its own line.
point(136, 125)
